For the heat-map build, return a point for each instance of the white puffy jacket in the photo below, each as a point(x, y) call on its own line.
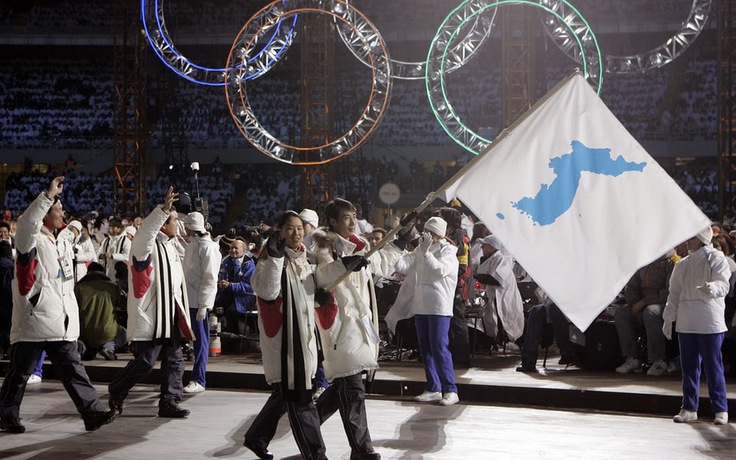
point(436, 278)
point(44, 305)
point(349, 327)
point(693, 310)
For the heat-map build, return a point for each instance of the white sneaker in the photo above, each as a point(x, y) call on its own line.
point(34, 379)
point(658, 368)
point(428, 396)
point(193, 387)
point(629, 366)
point(686, 416)
point(449, 399)
point(721, 418)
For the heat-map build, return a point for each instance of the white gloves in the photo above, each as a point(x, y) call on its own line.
point(667, 329)
point(705, 289)
point(201, 314)
point(425, 243)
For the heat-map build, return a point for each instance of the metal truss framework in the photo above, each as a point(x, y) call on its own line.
point(726, 108)
point(129, 136)
point(318, 102)
point(517, 60)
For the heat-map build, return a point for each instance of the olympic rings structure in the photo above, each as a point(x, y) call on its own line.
point(440, 52)
point(273, 30)
point(363, 39)
point(657, 57)
point(154, 24)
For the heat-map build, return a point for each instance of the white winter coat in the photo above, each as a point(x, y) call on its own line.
point(507, 298)
point(693, 310)
point(201, 263)
point(119, 248)
point(149, 260)
point(350, 338)
point(44, 305)
point(267, 284)
point(436, 278)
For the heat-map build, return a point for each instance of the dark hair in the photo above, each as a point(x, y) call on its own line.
point(479, 231)
point(452, 216)
point(335, 207)
point(4, 224)
point(96, 267)
point(286, 216)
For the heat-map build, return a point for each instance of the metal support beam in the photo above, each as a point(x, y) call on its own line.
point(519, 78)
point(317, 105)
point(129, 136)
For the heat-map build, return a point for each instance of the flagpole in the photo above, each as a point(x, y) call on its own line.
point(407, 219)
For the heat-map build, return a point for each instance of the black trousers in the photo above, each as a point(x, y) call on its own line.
point(347, 394)
point(145, 354)
point(67, 364)
point(459, 337)
point(303, 419)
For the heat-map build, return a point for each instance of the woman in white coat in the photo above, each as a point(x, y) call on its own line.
point(284, 285)
point(698, 287)
point(435, 264)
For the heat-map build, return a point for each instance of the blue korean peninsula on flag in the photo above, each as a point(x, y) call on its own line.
point(576, 200)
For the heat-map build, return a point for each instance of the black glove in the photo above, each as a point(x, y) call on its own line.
point(487, 279)
point(322, 297)
point(404, 236)
point(355, 263)
point(275, 247)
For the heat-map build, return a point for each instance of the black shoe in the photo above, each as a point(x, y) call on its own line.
point(116, 403)
point(526, 368)
point(94, 420)
point(370, 455)
point(172, 410)
point(109, 355)
point(261, 452)
point(12, 426)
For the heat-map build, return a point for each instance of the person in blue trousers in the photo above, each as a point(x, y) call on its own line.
point(201, 265)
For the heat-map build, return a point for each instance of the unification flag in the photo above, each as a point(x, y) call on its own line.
point(576, 200)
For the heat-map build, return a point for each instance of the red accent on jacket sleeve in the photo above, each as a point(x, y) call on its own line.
point(327, 313)
point(26, 273)
point(141, 281)
point(271, 315)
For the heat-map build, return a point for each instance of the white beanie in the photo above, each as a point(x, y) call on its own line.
point(705, 235)
point(491, 240)
point(195, 221)
point(310, 217)
point(75, 224)
point(436, 225)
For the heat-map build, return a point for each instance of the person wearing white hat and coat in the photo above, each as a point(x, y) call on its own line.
point(434, 263)
point(201, 266)
point(311, 222)
point(698, 287)
point(496, 273)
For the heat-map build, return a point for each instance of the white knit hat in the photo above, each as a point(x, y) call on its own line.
point(310, 217)
point(195, 221)
point(705, 235)
point(491, 240)
point(436, 225)
point(75, 224)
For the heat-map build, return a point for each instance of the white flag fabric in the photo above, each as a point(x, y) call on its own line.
point(576, 200)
